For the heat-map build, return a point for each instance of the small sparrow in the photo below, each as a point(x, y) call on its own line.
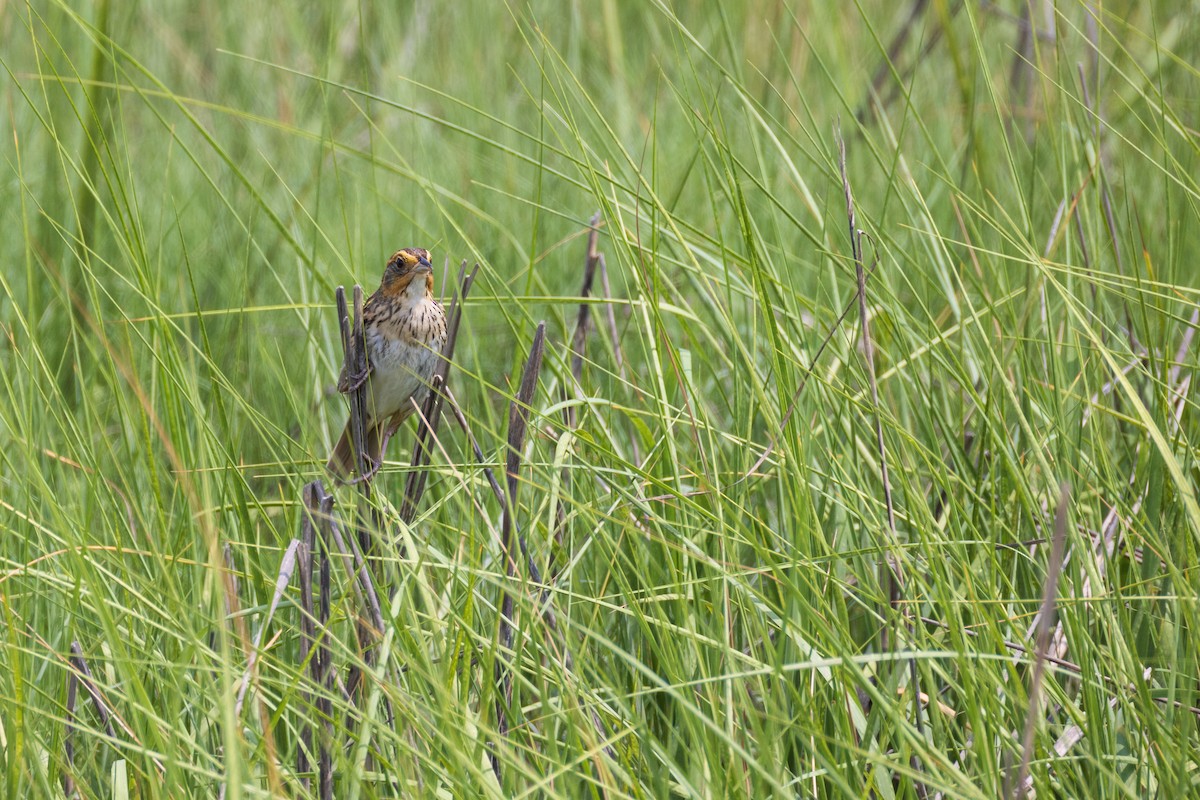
point(404, 329)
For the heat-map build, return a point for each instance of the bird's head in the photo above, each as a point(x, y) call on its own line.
point(408, 271)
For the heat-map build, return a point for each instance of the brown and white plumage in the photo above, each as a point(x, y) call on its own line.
point(404, 329)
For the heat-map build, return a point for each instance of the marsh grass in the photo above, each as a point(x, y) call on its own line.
point(186, 185)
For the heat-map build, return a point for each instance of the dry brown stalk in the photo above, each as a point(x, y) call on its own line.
point(414, 486)
point(80, 675)
point(548, 614)
point(1042, 647)
point(324, 665)
point(894, 575)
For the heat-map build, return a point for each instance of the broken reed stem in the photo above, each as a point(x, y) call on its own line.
point(414, 485)
point(318, 514)
point(318, 509)
point(487, 471)
point(324, 664)
point(68, 782)
point(356, 360)
point(358, 573)
point(518, 422)
point(1020, 77)
point(869, 358)
point(549, 616)
point(582, 320)
point(359, 576)
point(230, 581)
point(354, 366)
point(578, 345)
point(80, 674)
point(1042, 646)
point(89, 686)
point(895, 579)
point(354, 363)
point(535, 574)
point(888, 65)
point(611, 316)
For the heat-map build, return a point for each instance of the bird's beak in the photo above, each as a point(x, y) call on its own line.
point(424, 266)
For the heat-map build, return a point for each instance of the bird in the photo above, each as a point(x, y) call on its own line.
point(404, 329)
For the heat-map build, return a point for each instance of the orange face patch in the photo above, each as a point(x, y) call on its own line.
point(408, 258)
point(403, 267)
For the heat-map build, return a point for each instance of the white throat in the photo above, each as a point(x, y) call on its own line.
point(416, 288)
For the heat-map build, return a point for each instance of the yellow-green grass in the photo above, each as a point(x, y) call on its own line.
point(185, 185)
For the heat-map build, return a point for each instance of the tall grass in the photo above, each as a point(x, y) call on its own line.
point(185, 186)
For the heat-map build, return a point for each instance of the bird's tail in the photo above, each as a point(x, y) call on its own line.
point(341, 463)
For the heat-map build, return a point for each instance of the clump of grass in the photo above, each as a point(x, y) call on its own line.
point(189, 188)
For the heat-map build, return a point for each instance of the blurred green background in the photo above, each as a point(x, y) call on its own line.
point(186, 184)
